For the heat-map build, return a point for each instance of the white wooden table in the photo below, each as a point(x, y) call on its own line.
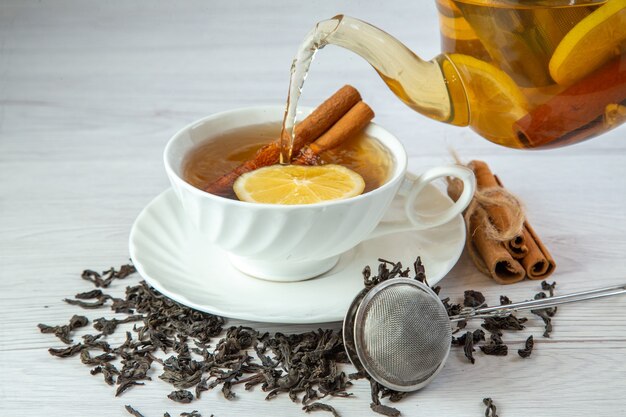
point(90, 92)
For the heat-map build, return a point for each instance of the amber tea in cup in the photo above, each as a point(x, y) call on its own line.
point(213, 158)
point(283, 242)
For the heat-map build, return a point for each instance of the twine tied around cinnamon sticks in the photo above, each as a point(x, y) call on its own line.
point(500, 241)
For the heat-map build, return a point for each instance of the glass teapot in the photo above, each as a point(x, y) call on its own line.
point(521, 73)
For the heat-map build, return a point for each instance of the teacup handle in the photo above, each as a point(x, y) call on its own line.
point(414, 185)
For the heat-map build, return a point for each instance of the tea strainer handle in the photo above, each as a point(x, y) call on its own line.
point(468, 313)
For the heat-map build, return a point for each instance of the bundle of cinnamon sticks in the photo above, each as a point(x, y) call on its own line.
point(500, 240)
point(337, 119)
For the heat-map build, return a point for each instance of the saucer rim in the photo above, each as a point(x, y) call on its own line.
point(329, 317)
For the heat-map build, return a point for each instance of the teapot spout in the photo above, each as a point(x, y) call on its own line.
point(432, 88)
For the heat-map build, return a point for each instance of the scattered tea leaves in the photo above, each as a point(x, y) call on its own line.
point(305, 367)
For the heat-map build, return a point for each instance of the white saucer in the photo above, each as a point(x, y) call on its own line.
point(171, 256)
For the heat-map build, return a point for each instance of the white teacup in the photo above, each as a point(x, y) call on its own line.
point(297, 242)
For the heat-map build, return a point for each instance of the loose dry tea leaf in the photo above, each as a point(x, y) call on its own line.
point(378, 392)
point(64, 332)
point(108, 326)
point(384, 273)
point(477, 336)
point(88, 305)
point(467, 341)
point(66, 352)
point(468, 347)
point(87, 359)
point(528, 348)
point(546, 314)
point(495, 324)
point(504, 300)
point(132, 411)
point(385, 410)
point(181, 396)
point(92, 276)
point(420, 272)
point(548, 287)
point(320, 407)
point(125, 270)
point(108, 371)
point(88, 295)
point(491, 408)
point(92, 342)
point(135, 368)
point(194, 413)
point(104, 280)
point(473, 298)
point(495, 349)
point(460, 325)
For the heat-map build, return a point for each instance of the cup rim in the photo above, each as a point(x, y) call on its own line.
point(401, 162)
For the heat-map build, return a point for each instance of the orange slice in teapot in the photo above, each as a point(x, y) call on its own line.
point(592, 42)
point(495, 101)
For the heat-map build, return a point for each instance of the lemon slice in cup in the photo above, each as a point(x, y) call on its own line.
point(592, 42)
point(496, 102)
point(297, 184)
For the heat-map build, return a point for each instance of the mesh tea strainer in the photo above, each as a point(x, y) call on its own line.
point(400, 334)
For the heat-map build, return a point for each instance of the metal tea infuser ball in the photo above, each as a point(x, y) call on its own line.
point(400, 333)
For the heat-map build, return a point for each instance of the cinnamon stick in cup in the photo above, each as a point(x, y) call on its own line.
point(312, 127)
point(349, 125)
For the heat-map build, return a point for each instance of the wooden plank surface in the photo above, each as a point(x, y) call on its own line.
point(90, 92)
